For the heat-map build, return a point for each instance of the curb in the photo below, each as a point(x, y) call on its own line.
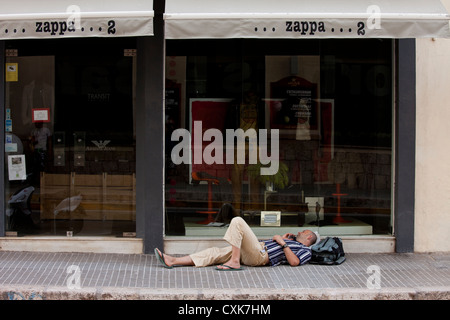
point(106, 293)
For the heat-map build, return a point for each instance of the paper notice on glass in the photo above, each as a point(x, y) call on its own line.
point(41, 115)
point(12, 72)
point(8, 125)
point(16, 167)
point(10, 147)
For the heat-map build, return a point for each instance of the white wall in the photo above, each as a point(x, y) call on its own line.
point(432, 205)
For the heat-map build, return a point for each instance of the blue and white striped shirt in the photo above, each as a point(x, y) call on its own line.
point(277, 256)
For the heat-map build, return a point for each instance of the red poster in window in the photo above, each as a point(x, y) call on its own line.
point(212, 114)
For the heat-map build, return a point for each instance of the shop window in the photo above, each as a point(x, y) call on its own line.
point(287, 133)
point(70, 138)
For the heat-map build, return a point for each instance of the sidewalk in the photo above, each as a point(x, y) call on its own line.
point(75, 276)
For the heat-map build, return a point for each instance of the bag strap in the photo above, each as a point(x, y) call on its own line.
point(340, 260)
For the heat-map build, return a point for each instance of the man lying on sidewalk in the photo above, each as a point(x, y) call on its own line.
point(245, 248)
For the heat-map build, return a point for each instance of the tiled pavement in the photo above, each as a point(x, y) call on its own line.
point(71, 276)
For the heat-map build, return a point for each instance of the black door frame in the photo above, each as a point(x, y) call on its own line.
point(150, 134)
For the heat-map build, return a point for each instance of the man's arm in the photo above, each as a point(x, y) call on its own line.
point(291, 257)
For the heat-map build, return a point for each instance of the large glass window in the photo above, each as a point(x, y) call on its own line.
point(287, 133)
point(70, 138)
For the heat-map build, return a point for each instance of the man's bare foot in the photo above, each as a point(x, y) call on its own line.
point(169, 262)
point(165, 259)
point(230, 265)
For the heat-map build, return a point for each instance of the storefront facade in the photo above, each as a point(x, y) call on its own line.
point(142, 125)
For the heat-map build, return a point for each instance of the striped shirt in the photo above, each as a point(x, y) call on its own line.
point(277, 256)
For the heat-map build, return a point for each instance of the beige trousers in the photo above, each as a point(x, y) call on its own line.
point(240, 235)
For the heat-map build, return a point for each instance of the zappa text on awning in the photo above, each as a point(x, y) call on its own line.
point(311, 27)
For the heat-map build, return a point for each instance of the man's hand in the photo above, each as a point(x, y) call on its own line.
point(279, 239)
point(292, 259)
point(289, 236)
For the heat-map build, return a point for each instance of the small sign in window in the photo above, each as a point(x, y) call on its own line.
point(41, 115)
point(270, 218)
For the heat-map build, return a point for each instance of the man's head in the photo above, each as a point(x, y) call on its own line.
point(306, 237)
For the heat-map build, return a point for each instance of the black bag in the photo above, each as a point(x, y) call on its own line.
point(328, 251)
